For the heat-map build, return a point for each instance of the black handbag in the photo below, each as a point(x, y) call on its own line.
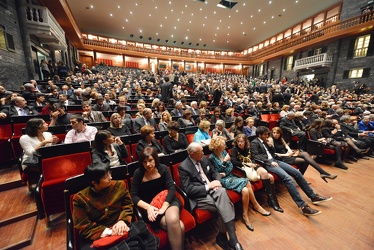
point(32, 161)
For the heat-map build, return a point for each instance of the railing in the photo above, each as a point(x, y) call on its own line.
point(40, 20)
point(321, 60)
point(328, 28)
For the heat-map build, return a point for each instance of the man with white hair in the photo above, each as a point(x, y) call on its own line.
point(194, 108)
point(203, 187)
point(178, 111)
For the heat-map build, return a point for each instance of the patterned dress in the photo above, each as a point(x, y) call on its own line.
point(230, 181)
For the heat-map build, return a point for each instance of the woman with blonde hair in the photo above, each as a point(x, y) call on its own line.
point(221, 162)
point(202, 134)
point(164, 121)
point(117, 128)
point(284, 111)
point(141, 108)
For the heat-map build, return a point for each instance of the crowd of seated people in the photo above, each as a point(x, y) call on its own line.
point(340, 119)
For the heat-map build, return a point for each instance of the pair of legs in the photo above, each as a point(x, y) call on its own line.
point(171, 223)
point(303, 160)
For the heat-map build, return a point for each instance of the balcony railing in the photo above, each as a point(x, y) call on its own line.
point(42, 24)
point(321, 60)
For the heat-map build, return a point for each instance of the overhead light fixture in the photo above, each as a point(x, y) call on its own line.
point(226, 4)
point(203, 1)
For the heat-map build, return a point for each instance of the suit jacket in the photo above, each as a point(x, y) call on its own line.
point(12, 111)
point(194, 111)
point(287, 124)
point(104, 107)
point(175, 112)
point(95, 116)
point(104, 157)
point(139, 122)
point(191, 181)
point(258, 151)
point(349, 130)
point(166, 91)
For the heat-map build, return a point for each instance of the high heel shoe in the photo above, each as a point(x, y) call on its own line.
point(249, 227)
point(328, 176)
point(267, 213)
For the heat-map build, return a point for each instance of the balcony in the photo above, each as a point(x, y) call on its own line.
point(42, 24)
point(321, 60)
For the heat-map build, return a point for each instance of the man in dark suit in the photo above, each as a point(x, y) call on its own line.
point(18, 108)
point(64, 100)
point(263, 153)
point(178, 110)
point(194, 108)
point(203, 187)
point(91, 116)
point(166, 90)
point(147, 119)
point(288, 124)
point(100, 105)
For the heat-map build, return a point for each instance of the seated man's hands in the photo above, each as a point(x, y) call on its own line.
point(214, 185)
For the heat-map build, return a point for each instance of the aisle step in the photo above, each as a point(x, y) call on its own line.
point(18, 234)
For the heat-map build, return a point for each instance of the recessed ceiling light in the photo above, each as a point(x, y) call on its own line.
point(264, 22)
point(191, 14)
point(178, 19)
point(203, 24)
point(136, 4)
point(111, 14)
point(190, 21)
point(229, 16)
point(284, 9)
point(156, 33)
point(254, 28)
point(182, 12)
point(206, 17)
point(227, 41)
point(140, 31)
point(217, 28)
point(243, 4)
point(201, 9)
point(161, 25)
point(119, 7)
point(214, 12)
point(186, 37)
point(214, 41)
point(171, 10)
point(175, 27)
point(130, 12)
point(272, 16)
point(127, 20)
point(251, 16)
point(91, 6)
point(241, 22)
point(237, 11)
point(269, 2)
point(150, 15)
point(297, 1)
point(166, 17)
point(228, 34)
point(123, 27)
point(169, 2)
point(220, 20)
point(200, 39)
point(155, 7)
point(228, 27)
point(172, 35)
point(186, 6)
point(259, 10)
point(215, 34)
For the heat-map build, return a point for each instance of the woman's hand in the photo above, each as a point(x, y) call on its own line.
point(119, 228)
point(222, 175)
point(152, 213)
point(227, 158)
point(55, 139)
point(118, 141)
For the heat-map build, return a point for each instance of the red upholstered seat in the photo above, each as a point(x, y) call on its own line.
point(190, 137)
point(133, 152)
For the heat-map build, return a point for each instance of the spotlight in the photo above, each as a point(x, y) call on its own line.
point(174, 42)
point(190, 44)
point(204, 45)
point(197, 44)
point(158, 39)
point(131, 35)
point(182, 43)
point(203, 1)
point(166, 41)
point(141, 37)
point(226, 4)
point(149, 38)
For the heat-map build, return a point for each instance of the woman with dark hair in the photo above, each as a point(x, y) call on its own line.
point(241, 157)
point(186, 120)
point(300, 159)
point(175, 141)
point(150, 179)
point(202, 116)
point(160, 107)
point(315, 132)
point(147, 133)
point(36, 137)
point(108, 149)
point(237, 127)
point(117, 128)
point(221, 162)
point(105, 208)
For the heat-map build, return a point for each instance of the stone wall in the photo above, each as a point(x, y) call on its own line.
point(13, 69)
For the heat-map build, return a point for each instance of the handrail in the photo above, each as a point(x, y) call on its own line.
point(327, 28)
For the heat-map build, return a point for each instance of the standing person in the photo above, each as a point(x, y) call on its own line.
point(300, 159)
point(150, 179)
point(203, 187)
point(263, 152)
point(221, 162)
point(217, 94)
point(102, 209)
point(241, 155)
point(108, 149)
point(166, 90)
point(45, 69)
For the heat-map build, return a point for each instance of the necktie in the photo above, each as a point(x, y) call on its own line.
point(202, 174)
point(22, 112)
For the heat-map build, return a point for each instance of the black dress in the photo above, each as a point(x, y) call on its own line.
point(281, 149)
point(171, 145)
point(119, 131)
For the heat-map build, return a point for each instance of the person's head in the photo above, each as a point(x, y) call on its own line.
point(35, 126)
point(99, 100)
point(220, 125)
point(316, 124)
point(147, 113)
point(217, 144)
point(173, 128)
point(62, 97)
point(19, 101)
point(147, 132)
point(285, 107)
point(195, 151)
point(327, 123)
point(160, 106)
point(103, 138)
point(194, 105)
point(86, 106)
point(166, 116)
point(345, 119)
point(230, 112)
point(148, 159)
point(203, 104)
point(276, 133)
point(366, 119)
point(202, 113)
point(238, 122)
point(98, 175)
point(262, 132)
point(204, 126)
point(140, 107)
point(250, 122)
point(58, 107)
point(121, 110)
point(241, 141)
point(187, 114)
point(122, 100)
point(299, 115)
point(217, 112)
point(115, 120)
point(291, 115)
point(179, 105)
point(77, 122)
point(40, 97)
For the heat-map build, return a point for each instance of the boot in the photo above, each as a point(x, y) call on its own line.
point(272, 198)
